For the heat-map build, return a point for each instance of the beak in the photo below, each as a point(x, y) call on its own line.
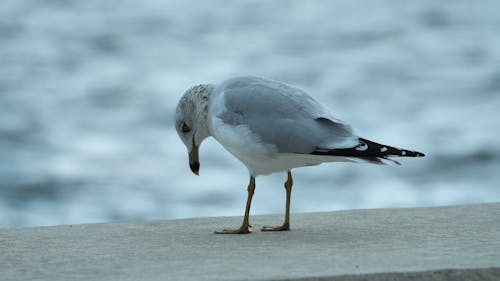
point(194, 163)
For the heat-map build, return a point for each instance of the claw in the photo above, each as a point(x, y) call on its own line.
point(284, 227)
point(241, 230)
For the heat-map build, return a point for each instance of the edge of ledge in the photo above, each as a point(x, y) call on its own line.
point(450, 274)
point(270, 215)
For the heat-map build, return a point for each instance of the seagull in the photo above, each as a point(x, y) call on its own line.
point(271, 127)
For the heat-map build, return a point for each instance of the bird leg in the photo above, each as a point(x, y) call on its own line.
point(286, 224)
point(245, 226)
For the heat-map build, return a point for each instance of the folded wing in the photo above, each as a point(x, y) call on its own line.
point(283, 116)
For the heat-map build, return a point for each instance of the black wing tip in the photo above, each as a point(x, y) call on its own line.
point(406, 153)
point(391, 151)
point(367, 149)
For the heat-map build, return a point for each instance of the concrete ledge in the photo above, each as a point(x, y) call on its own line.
point(444, 243)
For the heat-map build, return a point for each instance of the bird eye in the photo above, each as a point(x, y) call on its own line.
point(185, 128)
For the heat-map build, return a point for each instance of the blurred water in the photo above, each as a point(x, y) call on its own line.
point(88, 91)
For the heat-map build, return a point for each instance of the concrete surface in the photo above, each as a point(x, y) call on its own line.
point(444, 243)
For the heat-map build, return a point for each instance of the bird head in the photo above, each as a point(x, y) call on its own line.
point(191, 121)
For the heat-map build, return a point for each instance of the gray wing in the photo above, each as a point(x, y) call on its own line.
point(283, 116)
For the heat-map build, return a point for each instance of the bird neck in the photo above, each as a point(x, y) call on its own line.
point(203, 94)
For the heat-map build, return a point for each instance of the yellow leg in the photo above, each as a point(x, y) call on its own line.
point(286, 224)
point(245, 226)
